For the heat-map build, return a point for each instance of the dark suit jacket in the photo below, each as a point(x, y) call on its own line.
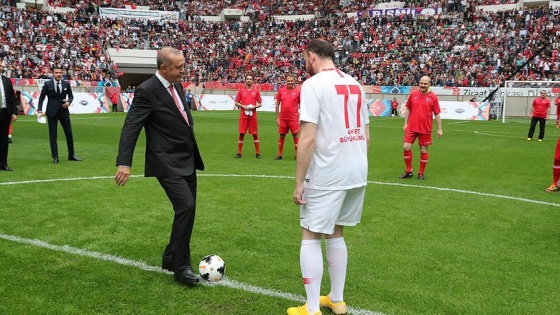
point(54, 104)
point(171, 148)
point(10, 96)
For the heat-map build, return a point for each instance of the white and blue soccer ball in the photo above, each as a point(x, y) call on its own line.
point(212, 268)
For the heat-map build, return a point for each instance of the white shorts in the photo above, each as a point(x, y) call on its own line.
point(326, 208)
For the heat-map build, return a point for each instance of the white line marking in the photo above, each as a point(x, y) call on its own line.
point(73, 118)
point(495, 135)
point(143, 266)
point(459, 122)
point(291, 177)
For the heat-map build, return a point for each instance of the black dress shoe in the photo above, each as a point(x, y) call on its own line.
point(6, 168)
point(55, 160)
point(186, 276)
point(74, 158)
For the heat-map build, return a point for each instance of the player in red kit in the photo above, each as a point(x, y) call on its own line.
point(541, 110)
point(555, 170)
point(287, 113)
point(248, 99)
point(421, 107)
point(557, 103)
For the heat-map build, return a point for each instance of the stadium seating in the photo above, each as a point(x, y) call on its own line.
point(463, 47)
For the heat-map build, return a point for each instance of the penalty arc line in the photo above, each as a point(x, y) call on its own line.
point(469, 192)
point(143, 266)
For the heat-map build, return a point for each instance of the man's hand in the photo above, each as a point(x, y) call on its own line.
point(122, 175)
point(298, 194)
point(65, 105)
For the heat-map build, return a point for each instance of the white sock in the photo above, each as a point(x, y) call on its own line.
point(311, 261)
point(337, 260)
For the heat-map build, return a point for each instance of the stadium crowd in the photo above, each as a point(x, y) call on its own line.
point(262, 7)
point(470, 48)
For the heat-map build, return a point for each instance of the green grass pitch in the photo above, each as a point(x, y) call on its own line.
point(478, 236)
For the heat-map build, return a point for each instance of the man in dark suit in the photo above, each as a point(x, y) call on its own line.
point(60, 97)
point(8, 114)
point(172, 154)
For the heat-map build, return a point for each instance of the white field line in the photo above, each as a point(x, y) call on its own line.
point(458, 122)
point(143, 266)
point(73, 118)
point(291, 177)
point(496, 134)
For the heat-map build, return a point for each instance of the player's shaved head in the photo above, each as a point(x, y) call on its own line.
point(424, 84)
point(425, 79)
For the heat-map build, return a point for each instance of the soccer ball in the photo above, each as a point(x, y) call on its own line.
point(212, 268)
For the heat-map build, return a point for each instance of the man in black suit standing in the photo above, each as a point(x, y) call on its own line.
point(60, 97)
point(172, 154)
point(8, 114)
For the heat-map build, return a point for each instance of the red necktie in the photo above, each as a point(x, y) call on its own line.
point(178, 104)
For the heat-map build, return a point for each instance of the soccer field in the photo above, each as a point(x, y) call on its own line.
point(478, 236)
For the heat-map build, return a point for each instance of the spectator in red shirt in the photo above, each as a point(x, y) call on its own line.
point(114, 101)
point(541, 111)
point(394, 106)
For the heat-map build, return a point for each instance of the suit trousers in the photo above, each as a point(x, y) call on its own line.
point(5, 119)
point(53, 130)
point(181, 191)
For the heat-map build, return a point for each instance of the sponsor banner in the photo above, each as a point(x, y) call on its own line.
point(113, 13)
point(29, 101)
point(214, 102)
point(464, 110)
point(483, 92)
point(40, 82)
point(377, 107)
point(231, 11)
point(390, 5)
point(226, 102)
point(400, 11)
point(83, 103)
point(86, 103)
point(449, 110)
point(126, 100)
point(217, 85)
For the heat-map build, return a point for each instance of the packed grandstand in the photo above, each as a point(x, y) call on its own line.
point(460, 45)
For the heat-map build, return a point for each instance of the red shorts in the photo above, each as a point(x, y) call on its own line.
point(424, 139)
point(288, 125)
point(250, 124)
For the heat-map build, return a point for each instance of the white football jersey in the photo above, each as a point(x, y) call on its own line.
point(336, 103)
